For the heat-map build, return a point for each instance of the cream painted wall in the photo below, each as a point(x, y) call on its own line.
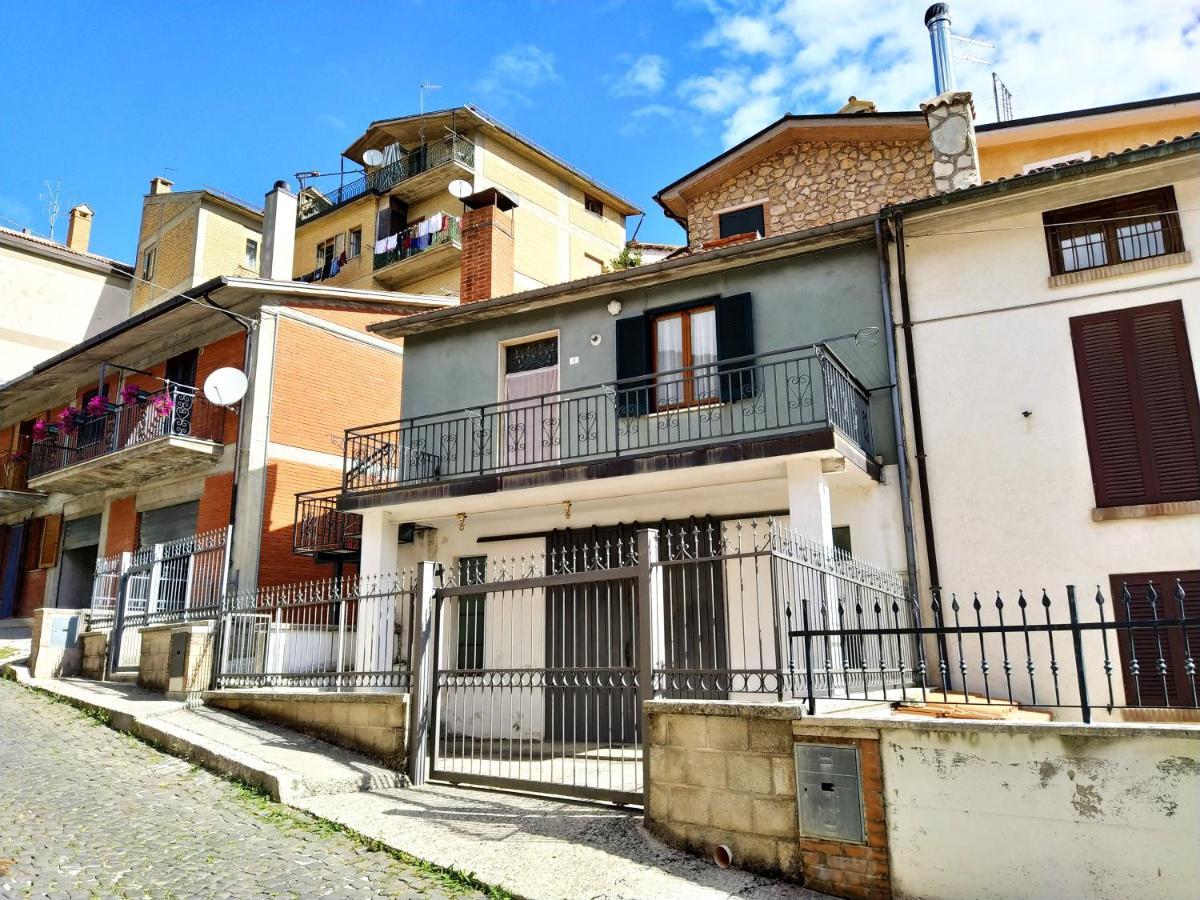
point(1012, 496)
point(996, 812)
point(47, 306)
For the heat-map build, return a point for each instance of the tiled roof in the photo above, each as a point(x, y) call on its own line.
point(43, 242)
point(1179, 138)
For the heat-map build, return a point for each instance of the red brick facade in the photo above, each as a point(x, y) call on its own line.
point(487, 254)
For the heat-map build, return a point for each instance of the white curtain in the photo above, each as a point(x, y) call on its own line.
point(704, 355)
point(668, 356)
point(530, 425)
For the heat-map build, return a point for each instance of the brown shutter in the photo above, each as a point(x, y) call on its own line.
point(33, 544)
point(1140, 408)
point(51, 533)
point(1149, 687)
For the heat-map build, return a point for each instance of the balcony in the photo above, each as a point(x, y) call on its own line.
point(171, 432)
point(724, 406)
point(322, 531)
point(15, 494)
point(414, 176)
point(414, 255)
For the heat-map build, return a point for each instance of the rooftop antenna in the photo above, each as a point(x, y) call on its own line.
point(427, 86)
point(1003, 99)
point(959, 40)
point(51, 199)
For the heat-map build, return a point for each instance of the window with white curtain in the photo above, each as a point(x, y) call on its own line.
point(685, 356)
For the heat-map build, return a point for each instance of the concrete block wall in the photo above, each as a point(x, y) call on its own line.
point(155, 658)
point(55, 649)
point(374, 724)
point(94, 662)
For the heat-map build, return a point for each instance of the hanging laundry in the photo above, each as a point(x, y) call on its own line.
point(391, 242)
point(342, 259)
point(381, 246)
point(436, 222)
point(334, 266)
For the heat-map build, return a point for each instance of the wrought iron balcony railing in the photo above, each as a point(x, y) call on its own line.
point(14, 465)
point(411, 241)
point(453, 148)
point(174, 411)
point(786, 392)
point(322, 529)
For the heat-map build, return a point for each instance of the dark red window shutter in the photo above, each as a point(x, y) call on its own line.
point(1140, 408)
point(1152, 687)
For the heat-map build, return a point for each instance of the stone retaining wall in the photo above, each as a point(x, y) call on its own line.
point(94, 663)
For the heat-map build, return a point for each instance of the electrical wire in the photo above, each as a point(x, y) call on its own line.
point(244, 320)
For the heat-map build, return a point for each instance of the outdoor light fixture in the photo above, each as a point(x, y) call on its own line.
point(566, 509)
point(614, 307)
point(462, 521)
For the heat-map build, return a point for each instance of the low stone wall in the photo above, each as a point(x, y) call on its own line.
point(94, 662)
point(154, 664)
point(155, 658)
point(372, 723)
point(55, 649)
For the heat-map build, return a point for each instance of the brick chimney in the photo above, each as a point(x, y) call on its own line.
point(160, 185)
point(79, 231)
point(951, 119)
point(279, 233)
point(487, 246)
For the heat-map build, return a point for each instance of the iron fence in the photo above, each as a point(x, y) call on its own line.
point(348, 632)
point(14, 464)
point(320, 528)
point(1041, 651)
point(410, 242)
point(784, 392)
point(174, 411)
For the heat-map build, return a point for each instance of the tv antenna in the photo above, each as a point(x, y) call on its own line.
point(427, 86)
point(51, 199)
point(971, 42)
point(1003, 99)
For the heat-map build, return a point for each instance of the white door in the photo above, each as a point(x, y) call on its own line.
point(530, 425)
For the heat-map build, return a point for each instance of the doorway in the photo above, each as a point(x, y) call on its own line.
point(530, 424)
point(77, 572)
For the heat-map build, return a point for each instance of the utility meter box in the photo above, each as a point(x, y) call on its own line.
point(177, 661)
point(829, 792)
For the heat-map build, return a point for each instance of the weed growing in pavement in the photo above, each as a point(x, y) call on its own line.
point(453, 880)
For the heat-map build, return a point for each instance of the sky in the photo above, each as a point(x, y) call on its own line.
point(104, 96)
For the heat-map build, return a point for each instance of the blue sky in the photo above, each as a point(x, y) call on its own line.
point(236, 95)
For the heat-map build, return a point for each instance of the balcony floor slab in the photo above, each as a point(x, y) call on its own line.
point(16, 501)
point(436, 259)
point(170, 455)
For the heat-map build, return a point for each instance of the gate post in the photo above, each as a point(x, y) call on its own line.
point(651, 633)
point(118, 625)
point(421, 677)
point(154, 593)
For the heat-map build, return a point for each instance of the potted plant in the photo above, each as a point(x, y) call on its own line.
point(70, 419)
point(163, 404)
point(98, 406)
point(42, 430)
point(132, 394)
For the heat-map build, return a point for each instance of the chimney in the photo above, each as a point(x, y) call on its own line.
point(487, 246)
point(279, 233)
point(79, 231)
point(160, 185)
point(951, 120)
point(937, 20)
point(854, 106)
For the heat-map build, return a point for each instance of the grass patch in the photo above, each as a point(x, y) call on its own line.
point(455, 881)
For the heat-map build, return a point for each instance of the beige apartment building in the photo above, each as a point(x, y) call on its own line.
point(189, 237)
point(396, 226)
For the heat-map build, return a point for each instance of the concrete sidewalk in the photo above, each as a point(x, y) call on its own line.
point(531, 847)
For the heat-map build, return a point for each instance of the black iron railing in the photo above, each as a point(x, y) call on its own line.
point(174, 411)
point(453, 148)
point(785, 392)
point(410, 241)
point(320, 528)
point(1138, 650)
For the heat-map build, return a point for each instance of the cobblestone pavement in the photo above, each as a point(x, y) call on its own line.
point(87, 812)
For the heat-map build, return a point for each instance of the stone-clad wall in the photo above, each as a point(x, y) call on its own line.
point(818, 182)
point(155, 659)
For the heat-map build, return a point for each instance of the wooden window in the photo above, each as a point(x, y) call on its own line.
point(51, 534)
point(592, 205)
point(325, 250)
point(471, 570)
point(687, 341)
point(181, 368)
point(33, 545)
point(751, 220)
point(1113, 231)
point(1171, 687)
point(1140, 408)
point(354, 246)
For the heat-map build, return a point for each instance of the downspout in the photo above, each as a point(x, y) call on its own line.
point(889, 325)
point(915, 399)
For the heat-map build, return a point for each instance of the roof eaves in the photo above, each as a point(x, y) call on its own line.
point(47, 247)
point(1092, 111)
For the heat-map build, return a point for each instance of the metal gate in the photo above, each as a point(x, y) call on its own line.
point(536, 683)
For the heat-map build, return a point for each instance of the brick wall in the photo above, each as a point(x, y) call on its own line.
point(31, 594)
point(277, 564)
point(214, 502)
point(487, 254)
point(818, 182)
point(228, 351)
point(356, 319)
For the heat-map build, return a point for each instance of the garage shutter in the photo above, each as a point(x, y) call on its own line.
point(82, 532)
point(1140, 408)
point(168, 523)
point(1150, 688)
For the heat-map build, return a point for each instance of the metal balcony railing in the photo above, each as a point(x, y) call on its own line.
point(773, 394)
point(411, 241)
point(173, 411)
point(453, 148)
point(14, 466)
point(320, 528)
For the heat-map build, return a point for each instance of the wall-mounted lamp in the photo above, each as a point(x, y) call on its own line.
point(462, 521)
point(614, 307)
point(566, 509)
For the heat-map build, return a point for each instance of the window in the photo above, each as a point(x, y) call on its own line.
point(1112, 231)
point(750, 220)
point(1173, 686)
point(326, 250)
point(471, 570)
point(354, 247)
point(181, 368)
point(252, 254)
point(592, 205)
point(686, 340)
point(1140, 409)
point(148, 259)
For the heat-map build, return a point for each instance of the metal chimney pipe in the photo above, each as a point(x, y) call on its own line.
point(937, 20)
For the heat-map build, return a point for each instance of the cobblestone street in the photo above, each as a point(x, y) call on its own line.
point(88, 812)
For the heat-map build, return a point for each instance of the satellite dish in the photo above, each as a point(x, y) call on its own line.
point(373, 157)
point(225, 387)
point(460, 188)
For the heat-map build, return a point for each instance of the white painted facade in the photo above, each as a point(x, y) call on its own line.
point(1010, 482)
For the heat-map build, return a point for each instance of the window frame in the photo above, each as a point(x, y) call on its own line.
point(590, 201)
point(149, 262)
point(1110, 215)
point(246, 256)
point(331, 243)
point(757, 204)
point(687, 379)
point(469, 654)
point(350, 243)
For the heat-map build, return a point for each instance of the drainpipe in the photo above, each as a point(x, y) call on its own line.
point(915, 398)
point(889, 325)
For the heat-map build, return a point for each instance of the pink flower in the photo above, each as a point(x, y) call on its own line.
point(40, 430)
point(98, 405)
point(131, 394)
point(70, 419)
point(163, 404)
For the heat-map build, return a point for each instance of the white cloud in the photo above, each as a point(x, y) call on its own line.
point(646, 75)
point(644, 117)
point(516, 71)
point(1069, 54)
